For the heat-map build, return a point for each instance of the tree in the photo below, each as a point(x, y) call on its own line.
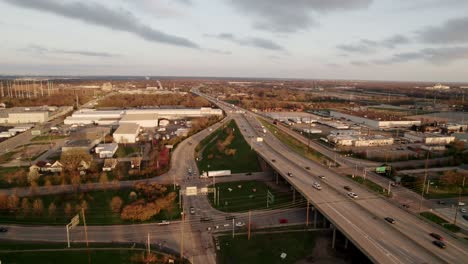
point(38, 207)
point(116, 204)
point(452, 178)
point(25, 206)
point(84, 205)
point(103, 179)
point(3, 201)
point(71, 159)
point(75, 181)
point(68, 209)
point(13, 202)
point(52, 209)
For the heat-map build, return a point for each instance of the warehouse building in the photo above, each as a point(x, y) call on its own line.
point(127, 133)
point(367, 118)
point(360, 141)
point(22, 115)
point(429, 138)
point(144, 120)
point(106, 150)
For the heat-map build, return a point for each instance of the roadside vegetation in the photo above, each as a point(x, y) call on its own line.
point(370, 185)
point(440, 221)
point(135, 100)
point(226, 149)
point(57, 253)
point(266, 248)
point(295, 144)
point(446, 185)
point(143, 203)
point(243, 196)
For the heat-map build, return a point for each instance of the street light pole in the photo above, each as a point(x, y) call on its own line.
point(459, 200)
point(424, 182)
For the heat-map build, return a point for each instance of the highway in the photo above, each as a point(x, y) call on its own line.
point(361, 219)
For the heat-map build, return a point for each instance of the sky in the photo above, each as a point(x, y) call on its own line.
point(417, 40)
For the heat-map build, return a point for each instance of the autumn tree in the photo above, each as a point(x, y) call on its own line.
point(52, 210)
point(68, 209)
point(38, 207)
point(452, 178)
point(13, 201)
point(25, 206)
point(71, 160)
point(116, 204)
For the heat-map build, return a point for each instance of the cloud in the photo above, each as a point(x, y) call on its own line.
point(366, 46)
point(217, 51)
point(291, 16)
point(100, 15)
point(440, 56)
point(37, 49)
point(453, 31)
point(255, 42)
point(359, 63)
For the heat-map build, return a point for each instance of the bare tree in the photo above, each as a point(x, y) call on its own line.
point(38, 207)
point(25, 206)
point(52, 210)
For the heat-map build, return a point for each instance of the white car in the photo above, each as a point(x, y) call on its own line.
point(463, 210)
point(164, 222)
point(240, 224)
point(317, 186)
point(352, 195)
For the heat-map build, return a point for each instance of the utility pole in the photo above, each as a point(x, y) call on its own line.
point(389, 186)
point(307, 213)
point(85, 226)
point(428, 183)
point(233, 227)
point(182, 238)
point(218, 197)
point(248, 236)
point(424, 182)
point(148, 245)
point(459, 199)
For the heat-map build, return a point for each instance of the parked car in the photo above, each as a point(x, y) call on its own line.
point(436, 236)
point(465, 217)
point(283, 221)
point(348, 188)
point(317, 186)
point(390, 220)
point(439, 243)
point(463, 210)
point(352, 195)
point(192, 210)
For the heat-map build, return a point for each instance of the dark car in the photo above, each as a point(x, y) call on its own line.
point(290, 174)
point(441, 202)
point(465, 217)
point(307, 168)
point(390, 220)
point(439, 243)
point(3, 229)
point(205, 219)
point(347, 188)
point(283, 221)
point(273, 160)
point(406, 205)
point(436, 236)
point(230, 217)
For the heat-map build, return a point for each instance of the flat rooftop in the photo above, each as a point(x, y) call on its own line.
point(129, 128)
point(137, 117)
point(373, 115)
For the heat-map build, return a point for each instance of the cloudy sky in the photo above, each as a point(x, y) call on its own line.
point(335, 39)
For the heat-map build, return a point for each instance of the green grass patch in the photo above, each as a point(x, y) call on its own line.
point(98, 213)
point(251, 196)
point(295, 144)
point(48, 137)
point(226, 149)
point(370, 185)
point(440, 221)
point(124, 151)
point(266, 248)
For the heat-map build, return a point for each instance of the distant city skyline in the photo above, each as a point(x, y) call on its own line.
point(418, 40)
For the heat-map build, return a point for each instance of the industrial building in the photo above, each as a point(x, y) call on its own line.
point(144, 117)
point(127, 133)
point(360, 141)
point(21, 115)
point(429, 138)
point(366, 118)
point(106, 150)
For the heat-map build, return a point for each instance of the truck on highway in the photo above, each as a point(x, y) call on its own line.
point(217, 173)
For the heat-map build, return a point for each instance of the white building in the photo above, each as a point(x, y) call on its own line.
point(144, 120)
point(21, 115)
point(333, 124)
point(429, 138)
point(182, 132)
point(163, 122)
point(375, 123)
point(360, 141)
point(106, 150)
point(127, 133)
point(345, 132)
point(438, 87)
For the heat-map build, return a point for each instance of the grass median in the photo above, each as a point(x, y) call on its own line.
point(440, 221)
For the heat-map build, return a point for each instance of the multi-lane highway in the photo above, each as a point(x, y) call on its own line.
point(361, 219)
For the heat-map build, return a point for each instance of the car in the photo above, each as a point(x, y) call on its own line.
point(393, 184)
point(230, 217)
point(248, 173)
point(3, 229)
point(321, 177)
point(465, 217)
point(439, 243)
point(307, 168)
point(273, 160)
point(317, 186)
point(352, 195)
point(463, 210)
point(164, 222)
point(226, 225)
point(283, 221)
point(205, 219)
point(240, 224)
point(192, 210)
point(461, 203)
point(405, 205)
point(390, 220)
point(436, 236)
point(441, 202)
point(290, 174)
point(347, 188)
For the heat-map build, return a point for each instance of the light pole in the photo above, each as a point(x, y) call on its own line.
point(459, 200)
